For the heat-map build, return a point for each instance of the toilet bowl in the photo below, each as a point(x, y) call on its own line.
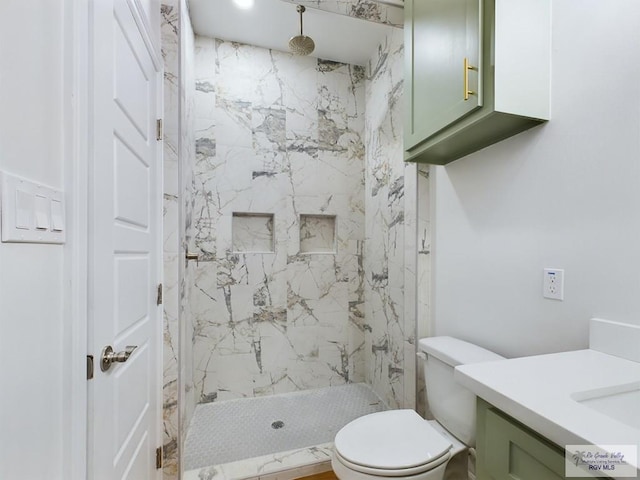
point(400, 443)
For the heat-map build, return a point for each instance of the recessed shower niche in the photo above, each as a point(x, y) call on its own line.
point(317, 234)
point(252, 232)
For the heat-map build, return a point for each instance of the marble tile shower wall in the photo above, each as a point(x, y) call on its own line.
point(282, 136)
point(179, 159)
point(423, 280)
point(186, 398)
point(285, 136)
point(171, 209)
point(390, 242)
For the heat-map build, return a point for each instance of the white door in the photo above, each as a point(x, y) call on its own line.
point(124, 245)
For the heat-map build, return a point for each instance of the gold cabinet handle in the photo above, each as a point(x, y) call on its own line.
point(467, 67)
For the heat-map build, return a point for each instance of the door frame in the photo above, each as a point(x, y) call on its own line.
point(76, 175)
point(77, 125)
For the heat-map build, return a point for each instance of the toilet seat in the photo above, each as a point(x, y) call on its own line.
point(391, 443)
point(384, 472)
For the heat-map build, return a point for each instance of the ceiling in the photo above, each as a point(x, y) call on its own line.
point(270, 24)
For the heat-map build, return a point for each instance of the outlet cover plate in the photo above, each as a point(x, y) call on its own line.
point(553, 284)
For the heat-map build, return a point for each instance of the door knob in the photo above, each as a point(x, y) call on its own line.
point(108, 356)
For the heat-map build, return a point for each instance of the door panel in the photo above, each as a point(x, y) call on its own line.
point(442, 33)
point(130, 78)
point(131, 398)
point(124, 247)
point(132, 280)
point(131, 181)
point(141, 458)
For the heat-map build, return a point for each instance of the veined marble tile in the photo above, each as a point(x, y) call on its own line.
point(204, 58)
point(170, 28)
point(338, 88)
point(171, 208)
point(252, 232)
point(268, 126)
point(290, 136)
point(345, 175)
point(305, 173)
point(280, 466)
point(283, 317)
point(317, 233)
point(311, 277)
point(410, 286)
point(233, 121)
point(179, 161)
point(170, 15)
point(423, 280)
point(238, 68)
point(368, 10)
point(390, 213)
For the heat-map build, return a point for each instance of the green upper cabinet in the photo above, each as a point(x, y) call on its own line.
point(476, 72)
point(443, 36)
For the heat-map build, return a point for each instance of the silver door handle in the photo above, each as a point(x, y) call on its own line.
point(108, 356)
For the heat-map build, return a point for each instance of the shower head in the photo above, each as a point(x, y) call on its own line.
point(301, 44)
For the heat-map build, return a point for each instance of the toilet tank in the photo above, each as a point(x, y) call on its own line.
point(451, 404)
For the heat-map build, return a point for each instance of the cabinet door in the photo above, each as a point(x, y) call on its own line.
point(439, 36)
point(515, 454)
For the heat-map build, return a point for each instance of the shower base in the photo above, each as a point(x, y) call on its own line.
point(264, 436)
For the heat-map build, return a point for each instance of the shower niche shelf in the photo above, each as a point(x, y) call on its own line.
point(252, 232)
point(317, 234)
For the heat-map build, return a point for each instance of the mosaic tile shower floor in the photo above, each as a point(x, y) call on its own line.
point(232, 430)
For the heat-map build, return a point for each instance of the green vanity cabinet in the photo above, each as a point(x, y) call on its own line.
point(508, 450)
point(476, 72)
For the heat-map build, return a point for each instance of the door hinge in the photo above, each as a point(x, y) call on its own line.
point(159, 297)
point(89, 367)
point(159, 129)
point(158, 457)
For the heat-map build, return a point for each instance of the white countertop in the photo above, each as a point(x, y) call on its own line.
point(537, 392)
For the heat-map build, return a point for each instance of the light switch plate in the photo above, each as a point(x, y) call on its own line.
point(27, 213)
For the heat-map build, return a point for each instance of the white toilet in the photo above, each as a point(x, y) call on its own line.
point(400, 443)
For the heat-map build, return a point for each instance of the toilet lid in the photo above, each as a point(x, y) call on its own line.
point(394, 439)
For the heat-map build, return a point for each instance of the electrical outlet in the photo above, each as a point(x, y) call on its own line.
point(553, 284)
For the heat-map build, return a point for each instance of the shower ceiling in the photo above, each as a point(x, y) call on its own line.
point(271, 23)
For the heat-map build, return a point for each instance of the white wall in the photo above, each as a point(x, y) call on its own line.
point(31, 321)
point(564, 195)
